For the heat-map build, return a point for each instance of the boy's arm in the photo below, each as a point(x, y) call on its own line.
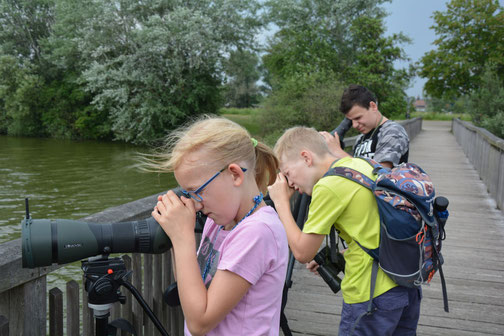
point(304, 246)
point(333, 142)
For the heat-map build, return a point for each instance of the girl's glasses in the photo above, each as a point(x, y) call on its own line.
point(195, 195)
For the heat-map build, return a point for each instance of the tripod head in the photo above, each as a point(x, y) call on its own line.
point(103, 277)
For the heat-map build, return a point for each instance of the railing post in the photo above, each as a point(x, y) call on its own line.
point(72, 308)
point(4, 326)
point(127, 312)
point(137, 283)
point(87, 313)
point(157, 297)
point(147, 292)
point(55, 312)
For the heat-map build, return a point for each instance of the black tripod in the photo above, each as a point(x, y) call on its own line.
point(299, 213)
point(103, 277)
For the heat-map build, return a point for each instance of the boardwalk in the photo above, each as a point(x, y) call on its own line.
point(474, 261)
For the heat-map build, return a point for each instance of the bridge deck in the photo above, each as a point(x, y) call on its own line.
point(474, 266)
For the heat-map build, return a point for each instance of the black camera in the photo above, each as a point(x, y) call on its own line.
point(329, 269)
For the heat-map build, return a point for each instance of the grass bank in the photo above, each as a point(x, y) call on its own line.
point(246, 117)
point(441, 116)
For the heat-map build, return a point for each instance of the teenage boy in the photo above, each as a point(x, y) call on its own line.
point(382, 140)
point(351, 208)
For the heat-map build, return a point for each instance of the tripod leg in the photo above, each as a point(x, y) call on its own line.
point(284, 325)
point(102, 325)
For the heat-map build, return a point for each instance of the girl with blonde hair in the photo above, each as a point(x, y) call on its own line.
point(233, 284)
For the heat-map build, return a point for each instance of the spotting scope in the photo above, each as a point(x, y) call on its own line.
point(61, 241)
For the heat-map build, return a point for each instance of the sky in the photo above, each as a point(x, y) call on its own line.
point(413, 18)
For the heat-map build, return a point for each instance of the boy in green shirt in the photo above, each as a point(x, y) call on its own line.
point(351, 208)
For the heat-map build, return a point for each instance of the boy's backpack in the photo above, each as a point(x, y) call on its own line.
point(411, 223)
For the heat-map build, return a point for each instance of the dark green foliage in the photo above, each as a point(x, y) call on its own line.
point(373, 65)
point(328, 45)
point(125, 70)
point(242, 71)
point(469, 34)
point(20, 98)
point(309, 100)
point(486, 104)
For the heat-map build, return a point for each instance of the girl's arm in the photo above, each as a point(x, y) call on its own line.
point(204, 309)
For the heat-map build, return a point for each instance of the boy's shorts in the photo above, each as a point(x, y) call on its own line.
point(397, 313)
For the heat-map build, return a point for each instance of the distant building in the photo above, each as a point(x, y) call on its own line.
point(419, 105)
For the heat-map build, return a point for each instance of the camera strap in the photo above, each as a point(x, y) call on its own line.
point(333, 244)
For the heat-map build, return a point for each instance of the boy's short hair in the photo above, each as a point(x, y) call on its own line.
point(295, 139)
point(356, 95)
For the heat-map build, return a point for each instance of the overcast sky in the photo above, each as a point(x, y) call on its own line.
point(413, 18)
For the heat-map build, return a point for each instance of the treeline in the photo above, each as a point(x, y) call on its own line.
point(132, 70)
point(465, 72)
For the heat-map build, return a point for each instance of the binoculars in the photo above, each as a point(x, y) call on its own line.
point(329, 269)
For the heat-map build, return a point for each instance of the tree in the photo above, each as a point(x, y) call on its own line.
point(306, 99)
point(373, 64)
point(19, 98)
point(486, 103)
point(153, 65)
point(24, 23)
point(124, 69)
point(470, 34)
point(342, 38)
point(313, 35)
point(242, 71)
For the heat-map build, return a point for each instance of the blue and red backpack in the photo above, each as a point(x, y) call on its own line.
point(412, 223)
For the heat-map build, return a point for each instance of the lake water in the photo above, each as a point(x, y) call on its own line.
point(68, 179)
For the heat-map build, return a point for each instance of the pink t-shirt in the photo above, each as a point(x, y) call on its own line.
point(256, 249)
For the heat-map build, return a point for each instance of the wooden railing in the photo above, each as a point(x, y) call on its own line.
point(486, 153)
point(24, 294)
point(412, 127)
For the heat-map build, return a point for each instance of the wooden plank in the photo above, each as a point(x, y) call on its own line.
point(127, 308)
point(34, 306)
point(55, 312)
point(4, 326)
point(88, 323)
point(72, 308)
point(137, 320)
point(147, 292)
point(157, 295)
point(12, 274)
point(167, 268)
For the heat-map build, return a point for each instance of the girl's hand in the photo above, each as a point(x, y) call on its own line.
point(280, 192)
point(177, 216)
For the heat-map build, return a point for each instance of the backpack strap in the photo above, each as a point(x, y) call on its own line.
point(441, 275)
point(360, 178)
point(352, 175)
point(334, 248)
